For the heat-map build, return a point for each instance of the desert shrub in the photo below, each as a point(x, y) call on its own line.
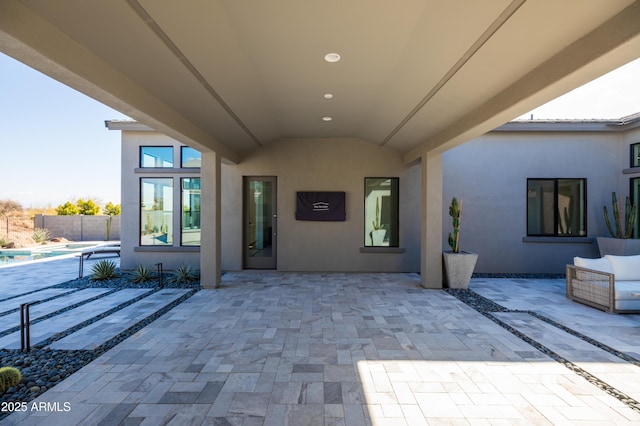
point(142, 274)
point(41, 235)
point(4, 242)
point(104, 270)
point(67, 209)
point(9, 377)
point(183, 275)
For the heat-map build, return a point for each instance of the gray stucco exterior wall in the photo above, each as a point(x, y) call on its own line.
point(490, 174)
point(323, 165)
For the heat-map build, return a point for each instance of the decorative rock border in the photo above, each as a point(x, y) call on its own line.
point(486, 307)
point(43, 368)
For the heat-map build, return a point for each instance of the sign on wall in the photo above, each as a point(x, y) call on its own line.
point(314, 205)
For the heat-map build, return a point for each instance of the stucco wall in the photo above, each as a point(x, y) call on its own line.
point(323, 165)
point(490, 175)
point(131, 252)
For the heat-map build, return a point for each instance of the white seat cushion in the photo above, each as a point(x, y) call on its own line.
point(625, 268)
point(599, 264)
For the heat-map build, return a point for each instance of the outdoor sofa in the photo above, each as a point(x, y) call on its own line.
point(610, 283)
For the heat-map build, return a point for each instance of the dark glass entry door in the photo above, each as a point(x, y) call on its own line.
point(260, 220)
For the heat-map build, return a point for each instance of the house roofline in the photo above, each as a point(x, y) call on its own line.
point(128, 125)
point(572, 125)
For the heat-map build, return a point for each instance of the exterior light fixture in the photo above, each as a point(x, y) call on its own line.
point(328, 96)
point(332, 57)
point(327, 118)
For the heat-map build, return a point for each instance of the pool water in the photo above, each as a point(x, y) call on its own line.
point(12, 256)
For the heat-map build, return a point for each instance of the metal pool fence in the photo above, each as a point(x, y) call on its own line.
point(16, 228)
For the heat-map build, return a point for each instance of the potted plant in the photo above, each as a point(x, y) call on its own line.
point(378, 233)
point(621, 242)
point(458, 266)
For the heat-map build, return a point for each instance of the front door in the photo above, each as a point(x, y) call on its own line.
point(260, 219)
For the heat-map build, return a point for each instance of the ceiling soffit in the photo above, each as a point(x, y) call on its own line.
point(247, 73)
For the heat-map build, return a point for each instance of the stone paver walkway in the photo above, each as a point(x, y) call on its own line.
point(99, 332)
point(356, 349)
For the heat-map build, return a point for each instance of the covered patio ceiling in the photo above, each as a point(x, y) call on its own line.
point(232, 75)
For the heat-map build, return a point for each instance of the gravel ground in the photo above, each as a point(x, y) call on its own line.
point(42, 368)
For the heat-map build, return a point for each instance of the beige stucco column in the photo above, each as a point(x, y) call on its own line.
point(431, 221)
point(210, 256)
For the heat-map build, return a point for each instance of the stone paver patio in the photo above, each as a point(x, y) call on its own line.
point(360, 349)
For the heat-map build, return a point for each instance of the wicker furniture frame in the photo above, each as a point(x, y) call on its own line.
point(593, 288)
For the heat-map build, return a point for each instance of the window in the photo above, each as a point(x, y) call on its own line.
point(156, 156)
point(189, 157)
point(381, 212)
point(557, 207)
point(190, 212)
point(635, 199)
point(635, 155)
point(156, 211)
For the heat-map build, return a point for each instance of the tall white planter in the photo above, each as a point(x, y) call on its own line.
point(377, 236)
point(458, 268)
point(618, 246)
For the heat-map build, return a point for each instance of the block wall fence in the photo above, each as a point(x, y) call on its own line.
point(79, 227)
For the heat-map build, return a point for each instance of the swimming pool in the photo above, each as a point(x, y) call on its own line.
point(13, 256)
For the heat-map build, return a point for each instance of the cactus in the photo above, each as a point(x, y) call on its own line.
point(568, 219)
point(622, 229)
point(376, 223)
point(9, 377)
point(455, 211)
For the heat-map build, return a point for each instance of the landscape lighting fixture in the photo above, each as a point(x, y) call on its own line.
point(332, 57)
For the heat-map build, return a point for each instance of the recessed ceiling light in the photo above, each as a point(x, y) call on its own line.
point(332, 57)
point(328, 96)
point(327, 118)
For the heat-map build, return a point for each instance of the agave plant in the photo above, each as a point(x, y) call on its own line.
point(142, 274)
point(183, 275)
point(41, 235)
point(104, 270)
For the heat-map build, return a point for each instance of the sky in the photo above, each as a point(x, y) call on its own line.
point(54, 146)
point(614, 95)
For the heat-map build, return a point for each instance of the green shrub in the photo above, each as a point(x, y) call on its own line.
point(183, 275)
point(4, 242)
point(142, 274)
point(9, 377)
point(104, 270)
point(41, 235)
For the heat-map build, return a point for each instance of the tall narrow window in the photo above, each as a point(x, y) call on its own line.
point(635, 199)
point(556, 207)
point(189, 157)
point(156, 156)
point(156, 211)
point(190, 212)
point(381, 212)
point(635, 155)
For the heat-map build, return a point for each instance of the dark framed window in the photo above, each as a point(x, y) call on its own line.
point(190, 157)
point(156, 211)
point(190, 212)
point(634, 190)
point(381, 212)
point(634, 161)
point(557, 207)
point(156, 156)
